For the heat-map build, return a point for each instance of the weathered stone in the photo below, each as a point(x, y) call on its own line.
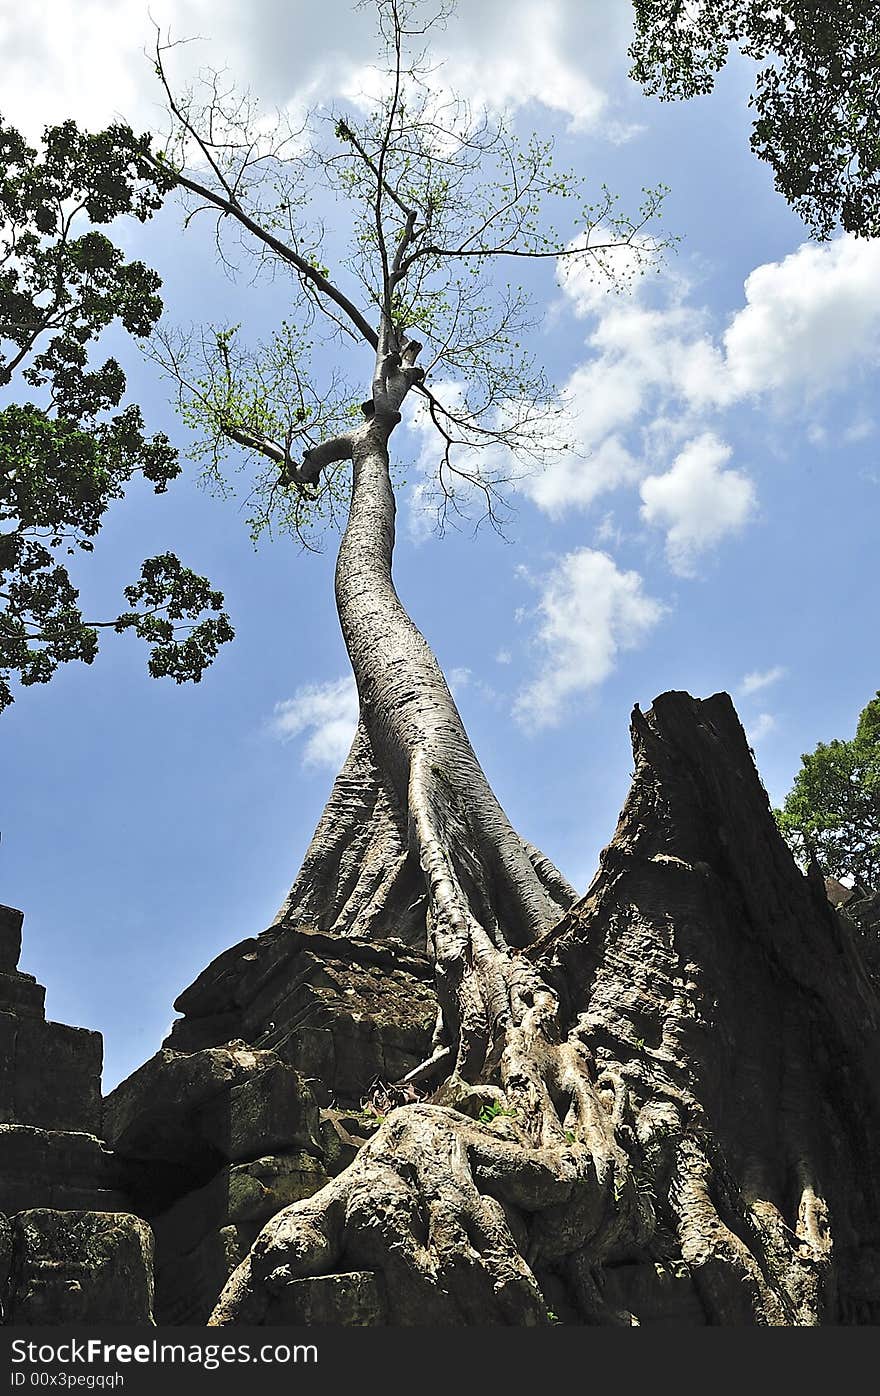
point(10, 937)
point(260, 1189)
point(80, 1267)
point(354, 1299)
point(50, 1074)
point(188, 1282)
point(198, 1109)
point(20, 993)
point(57, 1076)
point(340, 1011)
point(194, 1034)
point(8, 1026)
point(57, 1169)
point(272, 1111)
point(216, 989)
point(50, 1084)
point(183, 1225)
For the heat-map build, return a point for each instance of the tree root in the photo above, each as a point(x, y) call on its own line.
point(444, 1207)
point(627, 1095)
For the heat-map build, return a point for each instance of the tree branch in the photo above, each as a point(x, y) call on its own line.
point(286, 253)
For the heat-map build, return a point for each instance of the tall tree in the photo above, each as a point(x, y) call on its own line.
point(832, 811)
point(620, 1115)
point(67, 456)
point(436, 200)
point(817, 117)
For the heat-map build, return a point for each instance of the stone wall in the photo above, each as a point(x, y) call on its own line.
point(70, 1251)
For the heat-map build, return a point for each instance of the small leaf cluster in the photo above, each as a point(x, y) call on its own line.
point(171, 594)
point(494, 1110)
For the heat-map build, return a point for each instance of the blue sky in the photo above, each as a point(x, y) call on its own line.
point(717, 533)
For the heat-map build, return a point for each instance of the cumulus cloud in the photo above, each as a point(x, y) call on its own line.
point(86, 60)
point(657, 377)
point(589, 610)
point(761, 678)
point(809, 321)
point(697, 501)
point(591, 284)
point(327, 712)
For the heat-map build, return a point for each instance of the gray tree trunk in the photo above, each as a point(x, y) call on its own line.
point(681, 1069)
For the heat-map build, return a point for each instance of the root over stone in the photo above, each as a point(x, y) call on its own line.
point(658, 1109)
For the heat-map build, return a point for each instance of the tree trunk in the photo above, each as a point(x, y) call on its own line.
point(413, 840)
point(657, 1104)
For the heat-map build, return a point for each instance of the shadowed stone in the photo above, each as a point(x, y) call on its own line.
point(354, 1299)
point(80, 1267)
point(228, 1103)
point(10, 937)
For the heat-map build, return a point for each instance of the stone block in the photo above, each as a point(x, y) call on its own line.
point(8, 1033)
point(10, 937)
point(80, 1267)
point(340, 1011)
point(259, 1189)
point(188, 1283)
point(56, 1169)
point(57, 1076)
point(183, 1225)
point(229, 1103)
point(20, 993)
point(271, 1112)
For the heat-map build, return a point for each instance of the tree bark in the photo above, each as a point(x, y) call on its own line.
point(658, 1104)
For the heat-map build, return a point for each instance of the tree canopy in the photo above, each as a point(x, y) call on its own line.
point(815, 104)
point(435, 210)
point(833, 808)
point(67, 455)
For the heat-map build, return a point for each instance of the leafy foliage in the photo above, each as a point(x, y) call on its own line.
point(65, 457)
point(833, 808)
point(817, 115)
point(429, 199)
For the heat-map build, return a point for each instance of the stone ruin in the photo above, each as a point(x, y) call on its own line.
point(136, 1208)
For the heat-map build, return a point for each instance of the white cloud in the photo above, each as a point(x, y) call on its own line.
point(576, 480)
point(85, 59)
point(328, 712)
point(859, 430)
point(809, 321)
point(592, 284)
point(697, 501)
point(506, 55)
point(588, 612)
point(503, 657)
point(760, 727)
point(657, 377)
point(758, 679)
